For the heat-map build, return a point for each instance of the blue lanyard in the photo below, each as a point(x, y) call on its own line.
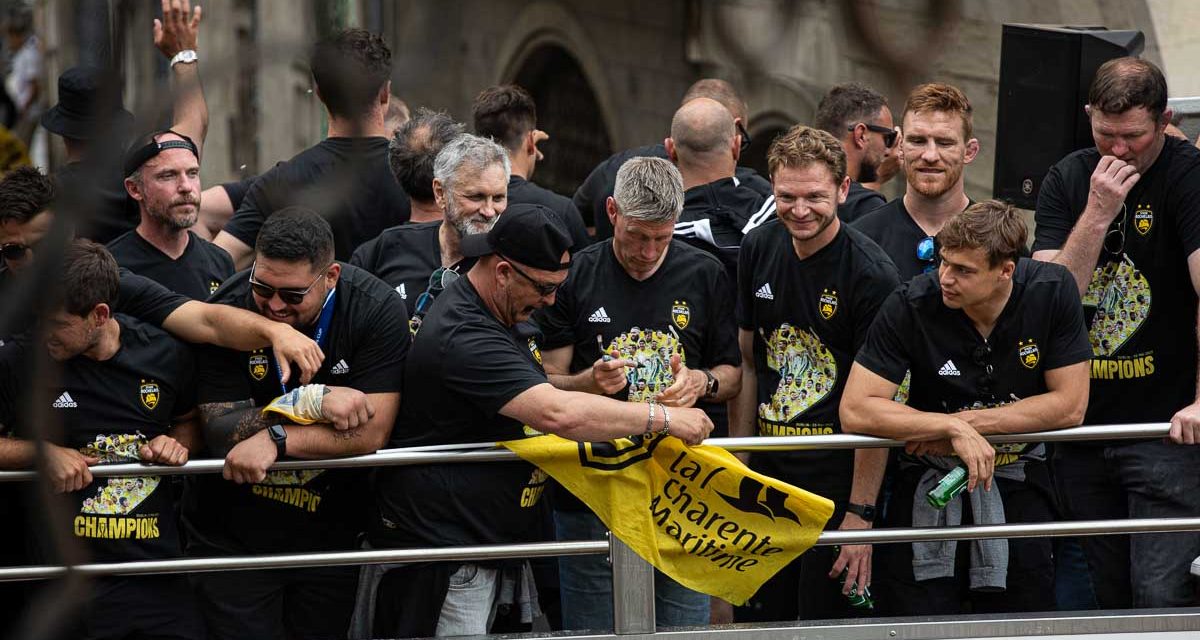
point(321, 335)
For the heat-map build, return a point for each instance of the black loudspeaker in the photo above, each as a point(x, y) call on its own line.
point(1045, 72)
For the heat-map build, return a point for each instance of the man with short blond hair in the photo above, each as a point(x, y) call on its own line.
point(936, 143)
point(808, 288)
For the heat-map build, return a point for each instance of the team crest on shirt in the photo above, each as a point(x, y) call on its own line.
point(1143, 219)
point(828, 303)
point(681, 315)
point(533, 349)
point(213, 285)
point(258, 365)
point(149, 393)
point(1028, 353)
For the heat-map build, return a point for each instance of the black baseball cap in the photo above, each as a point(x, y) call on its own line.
point(526, 233)
point(147, 147)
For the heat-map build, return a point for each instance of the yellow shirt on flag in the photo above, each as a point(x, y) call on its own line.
point(696, 513)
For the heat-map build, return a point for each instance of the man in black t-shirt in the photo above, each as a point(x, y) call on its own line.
point(123, 394)
point(474, 375)
point(717, 207)
point(345, 177)
point(164, 179)
point(638, 308)
point(996, 345)
point(470, 178)
point(349, 409)
point(808, 288)
point(507, 114)
point(860, 119)
point(1124, 217)
point(936, 144)
point(591, 196)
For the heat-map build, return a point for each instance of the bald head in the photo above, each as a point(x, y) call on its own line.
point(700, 127)
point(718, 90)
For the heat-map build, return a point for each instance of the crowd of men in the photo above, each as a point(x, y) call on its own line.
point(407, 283)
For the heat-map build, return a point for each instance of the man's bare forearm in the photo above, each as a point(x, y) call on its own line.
point(190, 109)
point(729, 382)
point(581, 381)
point(743, 407)
point(1082, 249)
point(227, 423)
point(16, 453)
point(222, 325)
point(869, 467)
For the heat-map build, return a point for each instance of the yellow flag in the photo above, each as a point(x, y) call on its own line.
point(696, 513)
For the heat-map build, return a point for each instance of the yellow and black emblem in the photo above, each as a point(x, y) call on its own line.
point(213, 285)
point(828, 303)
point(681, 315)
point(149, 393)
point(258, 365)
point(1028, 354)
point(537, 353)
point(1143, 219)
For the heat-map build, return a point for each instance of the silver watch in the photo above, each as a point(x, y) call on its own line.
point(186, 56)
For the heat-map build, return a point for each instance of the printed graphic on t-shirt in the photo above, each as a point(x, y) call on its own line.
point(651, 349)
point(807, 373)
point(291, 488)
point(1121, 296)
point(117, 496)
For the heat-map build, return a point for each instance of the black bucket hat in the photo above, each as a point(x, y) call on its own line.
point(89, 105)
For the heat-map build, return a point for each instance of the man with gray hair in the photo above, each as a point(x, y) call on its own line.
point(470, 189)
point(411, 155)
point(641, 317)
point(859, 117)
point(717, 206)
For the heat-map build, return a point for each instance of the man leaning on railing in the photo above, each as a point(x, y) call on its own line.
point(996, 344)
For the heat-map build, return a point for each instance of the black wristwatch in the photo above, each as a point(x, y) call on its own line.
point(713, 384)
point(864, 511)
point(279, 437)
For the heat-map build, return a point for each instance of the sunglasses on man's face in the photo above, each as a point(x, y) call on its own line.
point(288, 296)
point(14, 251)
point(889, 135)
point(543, 288)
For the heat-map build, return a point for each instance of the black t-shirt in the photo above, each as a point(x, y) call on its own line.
point(894, 230)
point(404, 257)
point(464, 366)
point(346, 180)
point(1140, 305)
point(522, 191)
point(715, 217)
point(310, 509)
point(809, 318)
point(1040, 329)
point(859, 202)
point(108, 410)
point(237, 190)
point(196, 274)
point(97, 191)
point(598, 186)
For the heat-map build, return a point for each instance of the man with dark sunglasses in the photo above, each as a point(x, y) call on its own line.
point(1124, 217)
point(996, 344)
point(254, 417)
point(639, 309)
point(473, 376)
point(936, 145)
point(860, 119)
point(470, 186)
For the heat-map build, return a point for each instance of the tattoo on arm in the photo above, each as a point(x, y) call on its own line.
point(348, 434)
point(228, 423)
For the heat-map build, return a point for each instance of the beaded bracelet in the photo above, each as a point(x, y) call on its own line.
point(650, 420)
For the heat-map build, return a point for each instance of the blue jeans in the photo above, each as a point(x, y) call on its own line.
point(586, 584)
point(470, 603)
point(1151, 479)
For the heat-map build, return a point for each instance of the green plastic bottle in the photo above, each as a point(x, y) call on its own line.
point(948, 488)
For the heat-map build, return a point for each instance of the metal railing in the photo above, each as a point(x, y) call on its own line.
point(633, 578)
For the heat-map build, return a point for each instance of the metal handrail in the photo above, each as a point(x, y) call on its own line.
point(488, 451)
point(589, 547)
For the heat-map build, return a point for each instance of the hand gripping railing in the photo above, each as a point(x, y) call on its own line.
point(632, 578)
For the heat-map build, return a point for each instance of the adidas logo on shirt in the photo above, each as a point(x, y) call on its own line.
point(340, 368)
point(402, 291)
point(599, 315)
point(949, 369)
point(65, 402)
point(764, 292)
